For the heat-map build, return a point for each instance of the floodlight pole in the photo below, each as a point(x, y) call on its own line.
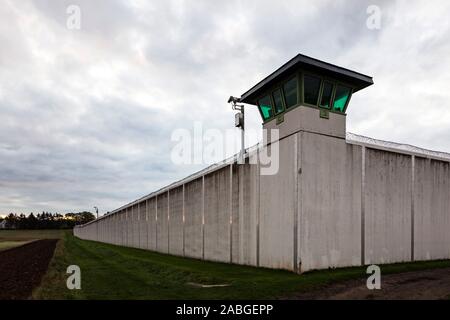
point(96, 210)
point(239, 123)
point(242, 156)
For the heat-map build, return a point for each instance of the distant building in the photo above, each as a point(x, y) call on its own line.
point(3, 224)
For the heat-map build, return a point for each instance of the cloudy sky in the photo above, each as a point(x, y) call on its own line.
point(87, 115)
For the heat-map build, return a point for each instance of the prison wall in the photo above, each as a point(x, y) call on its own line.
point(333, 203)
point(431, 212)
point(388, 191)
point(162, 223)
point(217, 215)
point(329, 229)
point(176, 221)
point(278, 207)
point(151, 224)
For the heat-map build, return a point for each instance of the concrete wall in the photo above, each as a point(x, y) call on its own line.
point(151, 224)
point(387, 207)
point(329, 229)
point(332, 204)
point(129, 226)
point(217, 215)
point(431, 209)
point(278, 208)
point(245, 227)
point(162, 223)
point(193, 212)
point(136, 228)
point(143, 230)
point(176, 225)
point(308, 119)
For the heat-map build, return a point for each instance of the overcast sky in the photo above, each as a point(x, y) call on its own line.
point(87, 115)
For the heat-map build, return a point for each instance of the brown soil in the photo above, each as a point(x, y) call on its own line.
point(418, 285)
point(22, 268)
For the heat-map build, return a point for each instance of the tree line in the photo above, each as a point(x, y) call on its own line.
point(45, 220)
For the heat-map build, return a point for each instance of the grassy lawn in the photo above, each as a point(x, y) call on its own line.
point(114, 272)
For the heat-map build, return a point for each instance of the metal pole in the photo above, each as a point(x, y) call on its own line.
point(242, 160)
point(240, 123)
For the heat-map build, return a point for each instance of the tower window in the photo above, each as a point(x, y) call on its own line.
point(278, 101)
point(341, 98)
point(290, 92)
point(325, 101)
point(265, 106)
point(311, 87)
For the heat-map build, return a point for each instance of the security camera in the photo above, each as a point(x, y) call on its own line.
point(234, 100)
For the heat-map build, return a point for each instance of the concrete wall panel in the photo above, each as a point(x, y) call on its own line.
point(123, 227)
point(151, 224)
point(387, 207)
point(163, 224)
point(129, 227)
point(277, 209)
point(330, 203)
point(143, 236)
point(245, 225)
point(176, 221)
point(135, 217)
point(431, 209)
point(235, 213)
point(217, 215)
point(193, 219)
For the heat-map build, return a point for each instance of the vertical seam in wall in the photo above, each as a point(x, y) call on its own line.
point(146, 221)
point(156, 223)
point(295, 229)
point(130, 226)
point(258, 205)
point(139, 224)
point(230, 220)
point(413, 183)
point(203, 217)
point(168, 221)
point(300, 210)
point(363, 205)
point(240, 212)
point(184, 218)
point(142, 208)
point(136, 224)
point(96, 225)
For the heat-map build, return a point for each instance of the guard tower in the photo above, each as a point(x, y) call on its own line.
point(317, 185)
point(306, 94)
